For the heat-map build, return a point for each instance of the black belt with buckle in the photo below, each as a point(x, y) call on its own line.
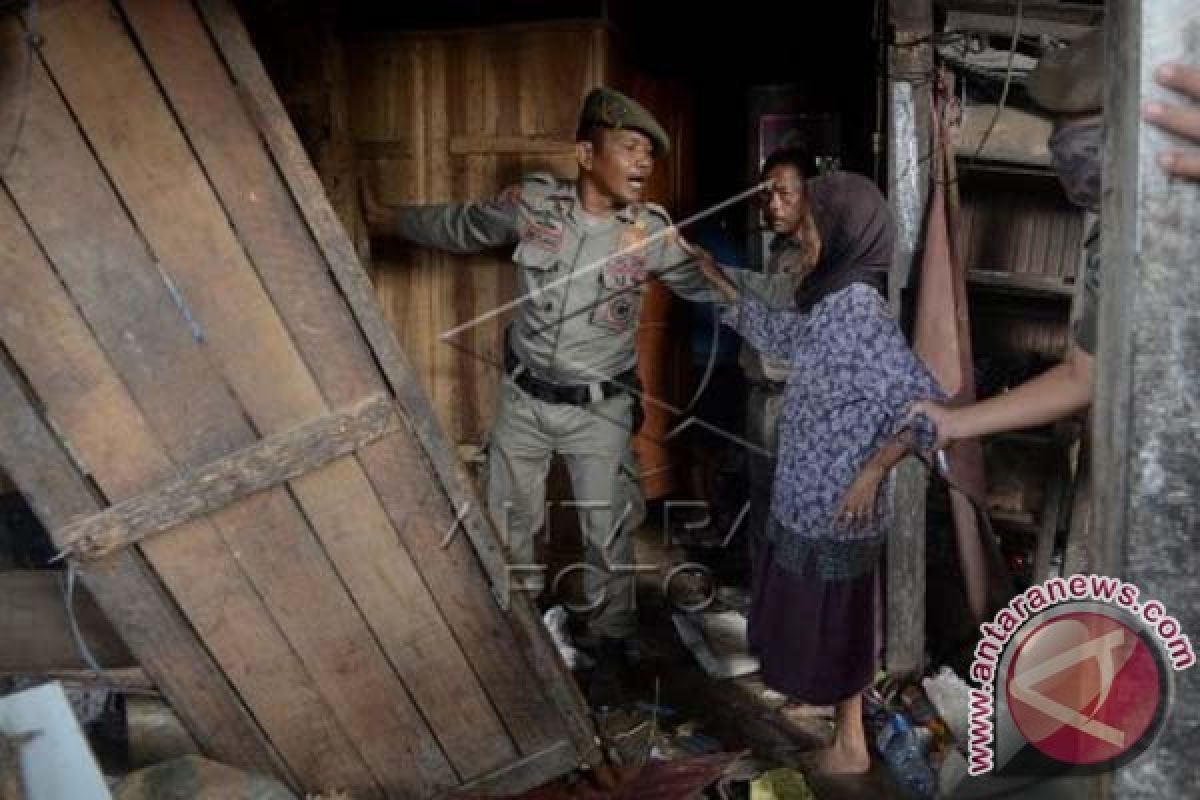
point(576, 394)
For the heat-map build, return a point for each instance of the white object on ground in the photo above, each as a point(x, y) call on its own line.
point(555, 620)
point(57, 763)
point(718, 641)
point(951, 697)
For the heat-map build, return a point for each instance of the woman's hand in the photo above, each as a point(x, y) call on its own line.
point(858, 505)
point(1183, 120)
point(709, 269)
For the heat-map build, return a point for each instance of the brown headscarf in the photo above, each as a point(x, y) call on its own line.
point(857, 236)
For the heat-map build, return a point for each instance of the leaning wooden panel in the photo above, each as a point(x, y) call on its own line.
point(180, 337)
point(307, 547)
point(233, 43)
point(389, 590)
point(295, 274)
point(129, 593)
point(87, 405)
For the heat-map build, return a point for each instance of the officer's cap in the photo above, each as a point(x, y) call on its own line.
point(610, 108)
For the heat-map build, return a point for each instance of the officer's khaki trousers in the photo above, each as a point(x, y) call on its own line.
point(594, 442)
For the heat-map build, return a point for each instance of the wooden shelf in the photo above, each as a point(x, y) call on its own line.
point(1021, 522)
point(968, 164)
point(1069, 13)
point(1009, 281)
point(1005, 280)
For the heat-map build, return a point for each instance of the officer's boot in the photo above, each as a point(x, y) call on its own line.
point(610, 685)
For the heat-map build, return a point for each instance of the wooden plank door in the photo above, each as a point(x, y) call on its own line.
point(181, 300)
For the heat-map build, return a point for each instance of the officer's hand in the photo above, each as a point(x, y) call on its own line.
point(377, 215)
point(708, 267)
point(1181, 120)
point(858, 505)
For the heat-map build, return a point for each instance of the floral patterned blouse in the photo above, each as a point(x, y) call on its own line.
point(853, 379)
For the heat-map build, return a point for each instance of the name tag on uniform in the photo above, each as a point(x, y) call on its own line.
point(624, 272)
point(621, 277)
point(627, 267)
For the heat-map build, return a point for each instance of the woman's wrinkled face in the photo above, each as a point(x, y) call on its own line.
point(784, 202)
point(618, 164)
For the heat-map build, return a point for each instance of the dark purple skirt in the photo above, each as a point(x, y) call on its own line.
point(817, 640)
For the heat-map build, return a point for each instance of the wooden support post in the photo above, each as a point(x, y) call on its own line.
point(1051, 512)
point(1146, 422)
point(910, 141)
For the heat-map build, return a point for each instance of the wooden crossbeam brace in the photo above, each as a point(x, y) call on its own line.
point(201, 491)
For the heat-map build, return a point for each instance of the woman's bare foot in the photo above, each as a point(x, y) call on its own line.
point(842, 760)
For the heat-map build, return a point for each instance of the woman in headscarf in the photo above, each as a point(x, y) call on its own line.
point(814, 616)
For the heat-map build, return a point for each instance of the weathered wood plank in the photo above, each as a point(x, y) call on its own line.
point(48, 338)
point(210, 488)
point(1051, 512)
point(477, 281)
point(297, 278)
point(147, 158)
point(1076, 559)
point(91, 409)
point(521, 776)
point(305, 188)
point(1083, 14)
point(336, 159)
point(482, 144)
point(128, 680)
point(272, 121)
point(1002, 25)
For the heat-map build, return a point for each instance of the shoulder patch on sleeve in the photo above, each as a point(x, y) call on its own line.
point(653, 219)
point(539, 183)
point(657, 213)
point(537, 188)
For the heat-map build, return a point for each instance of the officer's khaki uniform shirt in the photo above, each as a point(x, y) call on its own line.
point(581, 278)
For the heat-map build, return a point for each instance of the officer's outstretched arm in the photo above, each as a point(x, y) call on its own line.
point(676, 266)
point(774, 290)
point(453, 227)
point(685, 279)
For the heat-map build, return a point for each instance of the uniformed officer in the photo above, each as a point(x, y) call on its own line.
point(584, 250)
